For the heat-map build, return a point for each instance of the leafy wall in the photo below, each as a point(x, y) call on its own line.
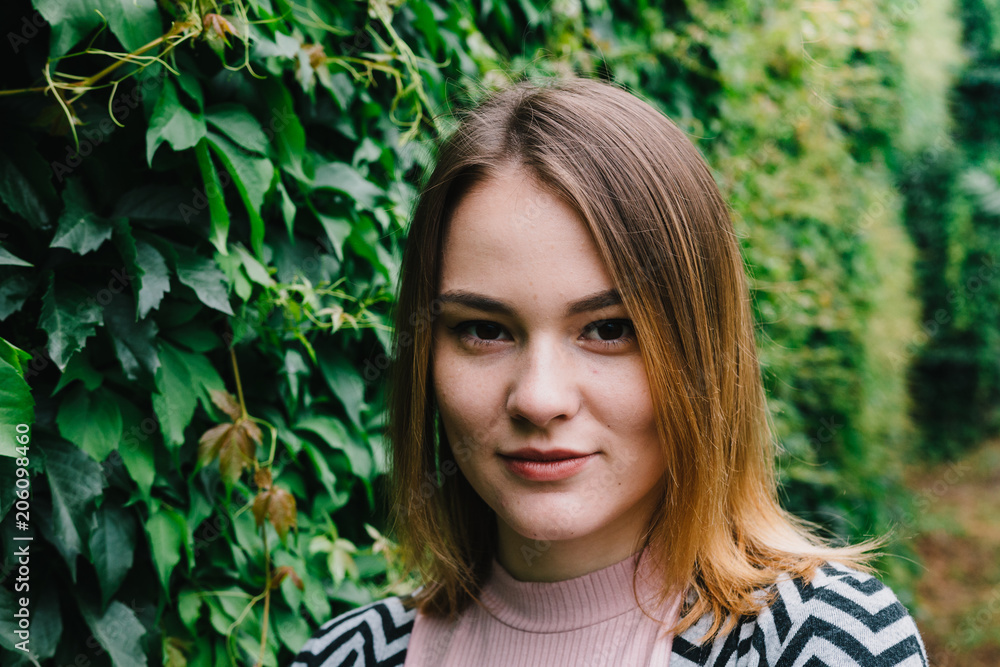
point(953, 210)
point(200, 249)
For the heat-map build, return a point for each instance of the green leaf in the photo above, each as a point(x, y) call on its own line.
point(173, 123)
point(292, 628)
point(189, 83)
point(234, 121)
point(316, 599)
point(322, 469)
point(365, 240)
point(46, 624)
point(69, 316)
point(287, 208)
point(8, 259)
point(167, 533)
point(155, 277)
point(294, 366)
point(289, 590)
point(225, 606)
point(93, 422)
point(134, 22)
point(130, 274)
point(14, 356)
point(205, 278)
point(337, 230)
point(253, 177)
point(189, 604)
point(256, 271)
point(195, 336)
point(285, 435)
point(336, 436)
point(174, 402)
point(344, 178)
point(79, 368)
point(16, 405)
point(183, 377)
point(139, 437)
point(345, 382)
point(284, 126)
point(112, 545)
point(152, 205)
point(80, 229)
point(25, 180)
point(134, 342)
point(118, 630)
point(71, 20)
point(217, 210)
point(205, 379)
point(283, 46)
point(15, 287)
point(75, 480)
point(232, 267)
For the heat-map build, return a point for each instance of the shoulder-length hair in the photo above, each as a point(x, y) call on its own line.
point(666, 237)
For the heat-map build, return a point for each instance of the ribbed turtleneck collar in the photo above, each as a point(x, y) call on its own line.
point(571, 604)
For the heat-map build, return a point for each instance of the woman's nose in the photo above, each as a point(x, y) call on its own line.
point(544, 387)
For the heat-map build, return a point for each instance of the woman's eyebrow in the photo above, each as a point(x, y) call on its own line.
point(595, 301)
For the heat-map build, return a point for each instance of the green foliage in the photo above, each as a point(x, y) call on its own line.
point(240, 183)
point(204, 243)
point(951, 195)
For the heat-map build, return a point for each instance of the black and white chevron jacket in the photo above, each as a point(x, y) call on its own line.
point(843, 618)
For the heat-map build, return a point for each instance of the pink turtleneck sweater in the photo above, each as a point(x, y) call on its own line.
point(593, 619)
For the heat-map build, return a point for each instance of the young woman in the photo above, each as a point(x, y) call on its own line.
point(582, 464)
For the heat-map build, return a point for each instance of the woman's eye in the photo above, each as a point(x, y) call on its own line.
point(486, 330)
point(606, 333)
point(478, 333)
point(612, 332)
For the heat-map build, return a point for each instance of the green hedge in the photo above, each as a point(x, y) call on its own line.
point(200, 260)
point(200, 264)
point(953, 207)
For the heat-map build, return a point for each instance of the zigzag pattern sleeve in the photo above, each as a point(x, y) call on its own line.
point(843, 618)
point(375, 635)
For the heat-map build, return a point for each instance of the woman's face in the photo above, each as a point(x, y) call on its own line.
point(534, 357)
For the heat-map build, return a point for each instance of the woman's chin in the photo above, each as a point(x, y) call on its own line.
point(554, 527)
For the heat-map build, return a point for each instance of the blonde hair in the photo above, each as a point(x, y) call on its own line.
point(666, 237)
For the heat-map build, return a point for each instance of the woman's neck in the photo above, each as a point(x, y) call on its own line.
point(556, 560)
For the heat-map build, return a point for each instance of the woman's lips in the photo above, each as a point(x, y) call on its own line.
point(548, 470)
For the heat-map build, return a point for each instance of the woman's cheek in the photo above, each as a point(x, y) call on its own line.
point(461, 415)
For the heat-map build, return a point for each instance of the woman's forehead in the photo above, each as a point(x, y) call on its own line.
point(507, 231)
